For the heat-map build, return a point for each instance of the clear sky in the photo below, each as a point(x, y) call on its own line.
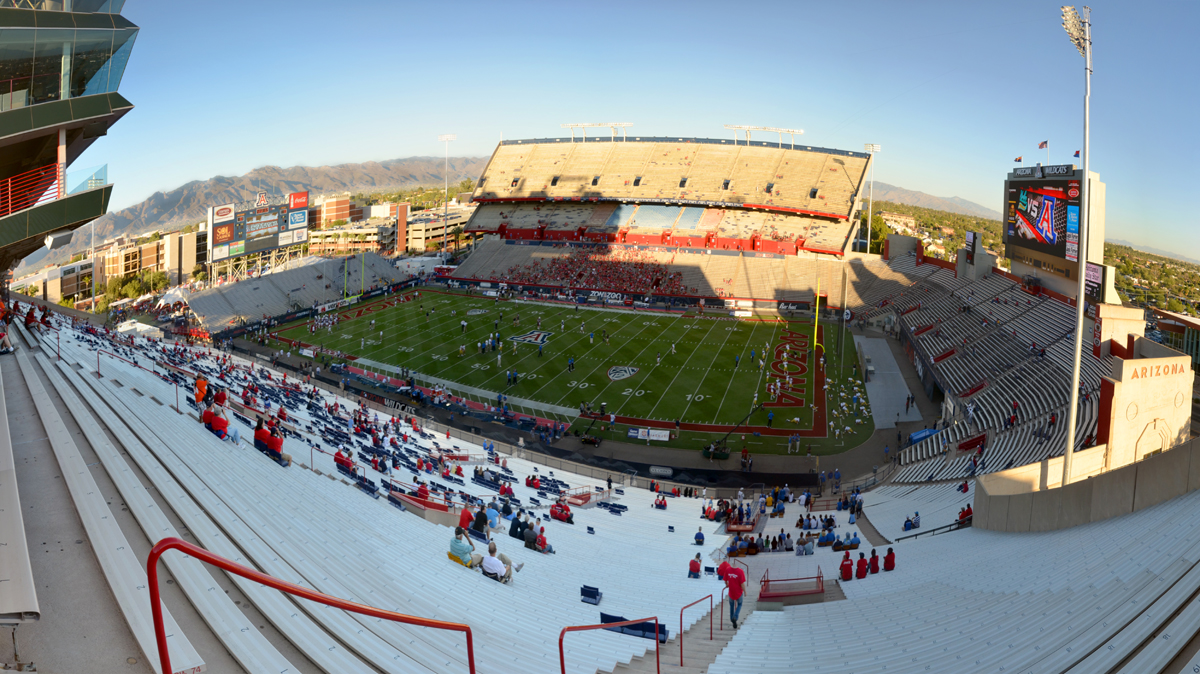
point(953, 91)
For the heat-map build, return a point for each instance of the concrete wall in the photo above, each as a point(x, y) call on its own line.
point(1016, 500)
point(899, 245)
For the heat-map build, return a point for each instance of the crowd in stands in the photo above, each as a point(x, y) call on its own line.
point(625, 270)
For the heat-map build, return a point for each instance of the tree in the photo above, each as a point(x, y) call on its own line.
point(457, 235)
point(198, 273)
point(159, 281)
point(112, 288)
point(189, 229)
point(76, 257)
point(1176, 306)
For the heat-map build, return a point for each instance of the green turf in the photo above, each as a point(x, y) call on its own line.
point(698, 383)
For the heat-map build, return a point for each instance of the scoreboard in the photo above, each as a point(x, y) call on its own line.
point(267, 223)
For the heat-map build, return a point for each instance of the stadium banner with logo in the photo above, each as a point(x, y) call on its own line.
point(222, 213)
point(654, 434)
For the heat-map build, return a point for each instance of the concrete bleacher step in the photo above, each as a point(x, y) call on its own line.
point(698, 650)
point(122, 569)
point(297, 626)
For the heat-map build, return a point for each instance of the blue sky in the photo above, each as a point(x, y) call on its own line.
point(953, 91)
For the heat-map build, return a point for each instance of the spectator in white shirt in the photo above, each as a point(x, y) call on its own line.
point(498, 566)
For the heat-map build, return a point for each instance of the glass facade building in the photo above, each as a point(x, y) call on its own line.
point(84, 54)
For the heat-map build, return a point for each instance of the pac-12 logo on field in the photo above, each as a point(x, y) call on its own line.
point(621, 372)
point(476, 312)
point(538, 337)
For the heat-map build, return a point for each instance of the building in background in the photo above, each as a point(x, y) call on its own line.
point(428, 227)
point(377, 235)
point(58, 94)
point(1180, 332)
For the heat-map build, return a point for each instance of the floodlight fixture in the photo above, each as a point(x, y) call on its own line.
point(446, 138)
point(774, 129)
point(584, 126)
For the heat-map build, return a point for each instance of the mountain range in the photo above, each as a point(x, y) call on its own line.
point(187, 204)
point(899, 195)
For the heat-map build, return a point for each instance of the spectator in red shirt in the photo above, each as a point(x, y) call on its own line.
point(261, 434)
point(874, 562)
point(541, 542)
point(862, 566)
point(220, 397)
point(422, 491)
point(207, 417)
point(275, 448)
point(220, 426)
point(724, 566)
point(735, 581)
point(467, 518)
point(694, 567)
point(847, 568)
point(889, 561)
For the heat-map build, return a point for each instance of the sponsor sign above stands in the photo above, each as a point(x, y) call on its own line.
point(223, 213)
point(1056, 171)
point(258, 226)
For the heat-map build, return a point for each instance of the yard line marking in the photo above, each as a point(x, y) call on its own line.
point(606, 361)
point(716, 355)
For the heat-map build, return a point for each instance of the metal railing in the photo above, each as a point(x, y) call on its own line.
point(710, 630)
point(953, 526)
point(160, 633)
point(562, 655)
point(28, 189)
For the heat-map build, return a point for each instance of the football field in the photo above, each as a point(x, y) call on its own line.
point(658, 367)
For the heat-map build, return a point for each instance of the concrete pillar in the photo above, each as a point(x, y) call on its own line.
point(62, 163)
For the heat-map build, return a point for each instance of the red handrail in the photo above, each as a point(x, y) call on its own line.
point(562, 656)
point(710, 632)
point(203, 555)
point(31, 188)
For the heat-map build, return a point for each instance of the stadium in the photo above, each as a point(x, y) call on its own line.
point(669, 410)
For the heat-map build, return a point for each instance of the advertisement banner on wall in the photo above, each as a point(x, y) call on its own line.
point(297, 200)
point(220, 252)
point(300, 236)
point(223, 213)
point(285, 238)
point(297, 219)
point(222, 234)
point(237, 248)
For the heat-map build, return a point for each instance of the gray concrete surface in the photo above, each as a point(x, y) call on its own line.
point(887, 389)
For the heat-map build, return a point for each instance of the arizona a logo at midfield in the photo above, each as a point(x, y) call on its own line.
point(534, 337)
point(621, 372)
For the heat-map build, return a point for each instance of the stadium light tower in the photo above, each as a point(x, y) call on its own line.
point(748, 129)
point(1079, 29)
point(446, 138)
point(584, 126)
point(871, 148)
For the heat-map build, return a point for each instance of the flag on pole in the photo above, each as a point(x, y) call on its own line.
point(1043, 145)
point(1018, 160)
point(1076, 153)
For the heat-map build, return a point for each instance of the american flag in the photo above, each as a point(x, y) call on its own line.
point(1043, 145)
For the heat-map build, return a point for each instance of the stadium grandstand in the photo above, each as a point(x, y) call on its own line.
point(299, 287)
point(685, 192)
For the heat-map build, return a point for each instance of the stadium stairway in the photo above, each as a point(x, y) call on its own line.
point(699, 652)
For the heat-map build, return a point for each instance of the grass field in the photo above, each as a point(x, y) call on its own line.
point(666, 367)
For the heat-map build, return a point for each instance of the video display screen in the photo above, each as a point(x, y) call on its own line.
point(1043, 215)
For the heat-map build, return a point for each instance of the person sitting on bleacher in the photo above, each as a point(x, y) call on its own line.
point(220, 425)
point(862, 566)
point(516, 528)
point(498, 566)
point(31, 322)
point(422, 490)
point(462, 548)
point(874, 563)
point(493, 516)
point(275, 448)
point(889, 561)
point(531, 533)
point(847, 568)
point(694, 567)
point(480, 523)
point(916, 521)
point(562, 512)
point(854, 542)
point(207, 416)
point(700, 536)
point(542, 545)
